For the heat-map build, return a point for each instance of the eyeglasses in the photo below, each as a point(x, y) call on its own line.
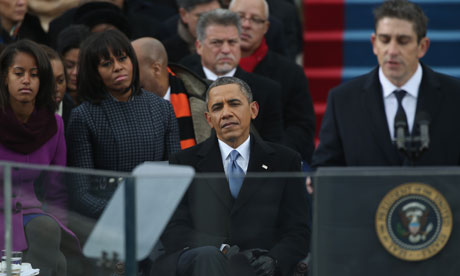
point(252, 20)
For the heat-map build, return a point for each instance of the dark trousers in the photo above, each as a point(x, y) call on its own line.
point(44, 239)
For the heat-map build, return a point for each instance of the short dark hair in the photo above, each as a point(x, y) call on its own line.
point(98, 46)
point(219, 17)
point(244, 87)
point(189, 5)
point(405, 10)
point(47, 90)
point(71, 38)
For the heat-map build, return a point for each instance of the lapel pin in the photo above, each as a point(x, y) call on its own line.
point(264, 166)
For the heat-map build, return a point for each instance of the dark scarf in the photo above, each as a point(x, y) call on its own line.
point(250, 62)
point(28, 137)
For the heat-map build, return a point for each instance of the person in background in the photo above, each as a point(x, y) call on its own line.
point(32, 133)
point(68, 46)
point(17, 23)
point(184, 89)
point(130, 16)
point(64, 101)
point(258, 58)
point(181, 42)
point(218, 48)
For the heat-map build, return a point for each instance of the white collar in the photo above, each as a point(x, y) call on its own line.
point(411, 86)
point(211, 76)
point(243, 149)
point(167, 96)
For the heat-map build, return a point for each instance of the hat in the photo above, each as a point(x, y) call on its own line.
point(94, 13)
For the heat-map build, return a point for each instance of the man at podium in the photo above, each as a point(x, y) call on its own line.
point(402, 112)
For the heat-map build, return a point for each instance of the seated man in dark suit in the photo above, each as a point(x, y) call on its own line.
point(363, 116)
point(219, 53)
point(265, 218)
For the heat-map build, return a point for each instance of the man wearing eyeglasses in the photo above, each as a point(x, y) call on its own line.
point(298, 116)
point(218, 48)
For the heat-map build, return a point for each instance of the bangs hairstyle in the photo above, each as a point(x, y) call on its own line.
point(96, 47)
point(47, 90)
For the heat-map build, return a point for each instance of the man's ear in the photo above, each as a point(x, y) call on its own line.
point(254, 106)
point(208, 118)
point(183, 15)
point(156, 68)
point(199, 47)
point(266, 26)
point(423, 47)
point(373, 38)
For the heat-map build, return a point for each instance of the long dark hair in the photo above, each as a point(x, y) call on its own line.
point(46, 92)
point(98, 46)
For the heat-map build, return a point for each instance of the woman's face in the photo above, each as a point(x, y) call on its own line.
point(23, 81)
point(13, 10)
point(59, 76)
point(116, 73)
point(71, 68)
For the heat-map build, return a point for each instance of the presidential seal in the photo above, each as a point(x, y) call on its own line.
point(413, 222)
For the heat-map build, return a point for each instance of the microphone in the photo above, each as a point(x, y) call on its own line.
point(400, 126)
point(423, 120)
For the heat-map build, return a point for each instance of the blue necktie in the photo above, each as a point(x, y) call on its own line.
point(235, 174)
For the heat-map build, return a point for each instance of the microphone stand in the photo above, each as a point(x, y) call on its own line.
point(413, 146)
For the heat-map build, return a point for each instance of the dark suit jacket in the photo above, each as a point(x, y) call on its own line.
point(67, 106)
point(298, 114)
point(269, 213)
point(269, 121)
point(354, 130)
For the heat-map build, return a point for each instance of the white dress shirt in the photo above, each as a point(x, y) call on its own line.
point(243, 158)
point(211, 76)
point(167, 96)
point(409, 102)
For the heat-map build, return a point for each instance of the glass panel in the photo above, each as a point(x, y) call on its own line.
point(72, 221)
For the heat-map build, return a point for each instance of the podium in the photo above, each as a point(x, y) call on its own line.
point(386, 221)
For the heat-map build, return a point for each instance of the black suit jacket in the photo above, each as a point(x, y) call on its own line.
point(298, 114)
point(354, 130)
point(269, 121)
point(269, 213)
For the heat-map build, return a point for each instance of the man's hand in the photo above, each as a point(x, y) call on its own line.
point(264, 266)
point(230, 251)
point(309, 185)
point(253, 254)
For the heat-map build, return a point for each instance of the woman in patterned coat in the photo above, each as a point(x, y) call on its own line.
point(119, 125)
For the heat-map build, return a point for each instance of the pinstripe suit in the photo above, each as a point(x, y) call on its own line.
point(116, 136)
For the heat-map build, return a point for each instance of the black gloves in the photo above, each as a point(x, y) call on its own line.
point(231, 251)
point(264, 266)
